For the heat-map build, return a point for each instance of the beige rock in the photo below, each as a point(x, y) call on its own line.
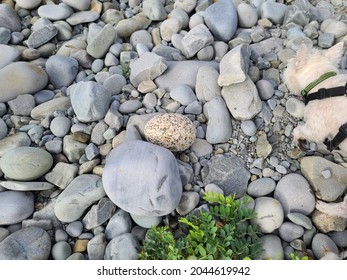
point(326, 223)
point(172, 131)
point(47, 108)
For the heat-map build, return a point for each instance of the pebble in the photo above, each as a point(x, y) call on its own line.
point(289, 231)
point(323, 244)
point(61, 250)
point(8, 55)
point(31, 243)
point(261, 187)
point(9, 18)
point(119, 224)
point(54, 12)
point(146, 221)
point(62, 174)
point(26, 163)
point(74, 229)
point(247, 15)
point(188, 202)
point(272, 248)
point(122, 247)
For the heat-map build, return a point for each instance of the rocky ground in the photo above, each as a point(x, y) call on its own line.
point(79, 81)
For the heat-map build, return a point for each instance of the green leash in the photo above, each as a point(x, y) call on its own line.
point(325, 76)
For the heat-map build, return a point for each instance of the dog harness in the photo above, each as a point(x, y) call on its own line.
point(326, 93)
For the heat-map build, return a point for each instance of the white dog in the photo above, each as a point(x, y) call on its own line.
point(333, 209)
point(310, 71)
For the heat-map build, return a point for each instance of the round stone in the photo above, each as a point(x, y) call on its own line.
point(172, 131)
point(142, 179)
point(60, 126)
point(26, 163)
point(15, 206)
point(61, 250)
point(269, 214)
point(31, 243)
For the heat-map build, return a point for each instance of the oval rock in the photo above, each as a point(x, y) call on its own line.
point(26, 163)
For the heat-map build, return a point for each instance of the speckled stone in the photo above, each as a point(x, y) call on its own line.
point(172, 131)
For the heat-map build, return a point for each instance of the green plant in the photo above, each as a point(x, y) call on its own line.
point(220, 233)
point(295, 257)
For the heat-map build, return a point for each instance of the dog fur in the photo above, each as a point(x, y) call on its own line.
point(333, 209)
point(322, 118)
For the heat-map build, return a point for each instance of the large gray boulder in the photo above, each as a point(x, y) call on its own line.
point(142, 179)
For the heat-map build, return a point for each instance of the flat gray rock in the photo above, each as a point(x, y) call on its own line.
point(15, 206)
point(227, 172)
point(9, 18)
point(32, 243)
point(122, 247)
point(148, 181)
point(81, 193)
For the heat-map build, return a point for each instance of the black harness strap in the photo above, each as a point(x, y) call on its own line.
point(326, 93)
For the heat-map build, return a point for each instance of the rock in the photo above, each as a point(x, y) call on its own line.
point(156, 188)
point(221, 18)
point(61, 70)
point(122, 247)
point(22, 105)
point(286, 193)
point(147, 67)
point(107, 36)
point(29, 79)
point(89, 100)
point(19, 139)
point(249, 128)
point(26, 186)
point(15, 206)
point(60, 126)
point(328, 189)
point(272, 248)
point(338, 28)
point(130, 106)
point(9, 18)
point(62, 174)
point(300, 220)
point(195, 40)
point(327, 223)
point(172, 131)
point(115, 83)
point(289, 231)
point(81, 193)
point(265, 89)
point(74, 229)
point(128, 26)
point(263, 147)
point(42, 36)
point(32, 243)
point(47, 108)
point(96, 247)
point(119, 224)
point(247, 15)
point(61, 250)
point(81, 5)
point(234, 65)
point(182, 72)
point(146, 221)
point(340, 238)
point(261, 187)
point(28, 5)
point(269, 214)
point(154, 10)
point(219, 128)
point(242, 99)
point(188, 202)
point(183, 94)
point(227, 172)
point(26, 163)
point(323, 244)
point(206, 87)
point(201, 148)
point(54, 12)
point(82, 17)
point(275, 12)
point(99, 213)
point(8, 55)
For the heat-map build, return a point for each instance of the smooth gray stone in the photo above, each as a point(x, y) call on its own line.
point(219, 128)
point(183, 94)
point(272, 248)
point(188, 202)
point(227, 172)
point(275, 12)
point(26, 163)
point(8, 55)
point(206, 87)
point(54, 12)
point(74, 229)
point(60, 126)
point(261, 187)
point(26, 186)
point(286, 192)
point(301, 220)
point(80, 5)
point(82, 17)
point(122, 247)
point(62, 174)
point(148, 181)
point(61, 250)
point(81, 193)
point(15, 206)
point(46, 109)
point(9, 18)
point(96, 247)
point(31, 243)
point(22, 105)
point(289, 231)
point(29, 79)
point(107, 36)
point(61, 70)
point(146, 221)
point(221, 18)
point(323, 244)
point(119, 223)
point(89, 100)
point(154, 10)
